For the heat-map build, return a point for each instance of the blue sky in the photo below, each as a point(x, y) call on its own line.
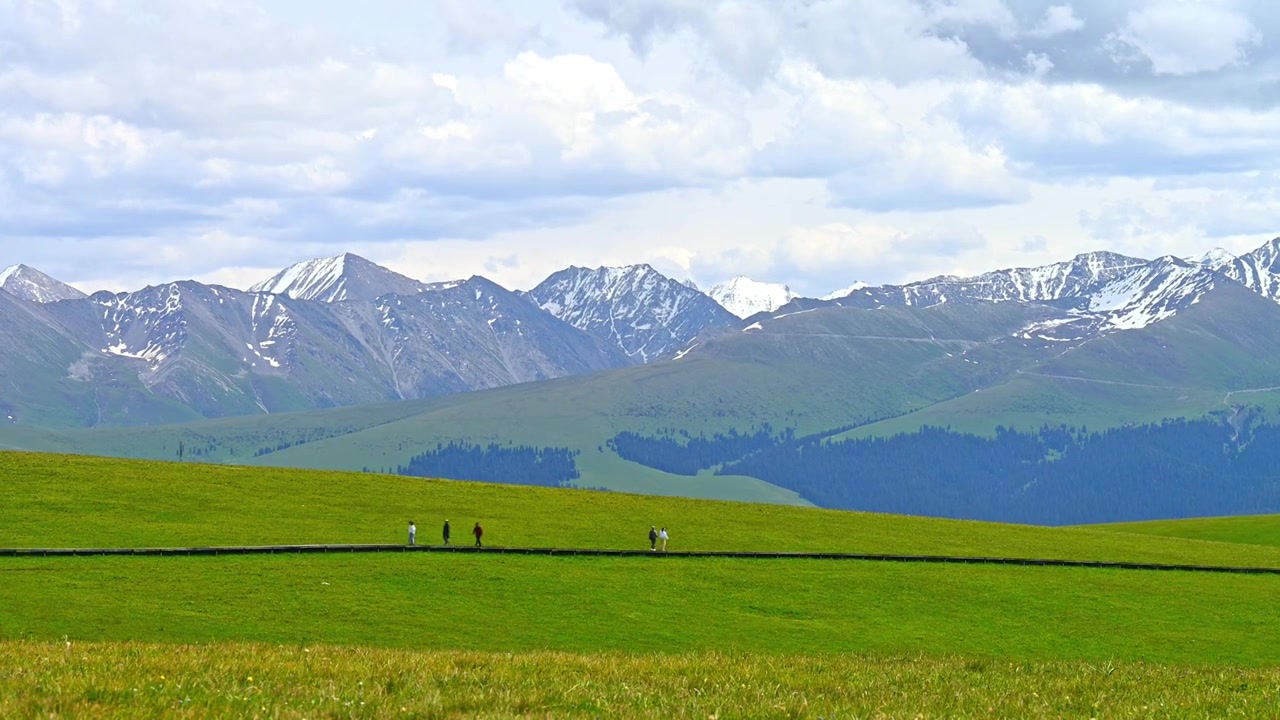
point(813, 142)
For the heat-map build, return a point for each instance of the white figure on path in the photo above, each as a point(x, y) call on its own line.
point(662, 535)
point(413, 533)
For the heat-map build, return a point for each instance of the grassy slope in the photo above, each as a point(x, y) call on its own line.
point(647, 604)
point(527, 603)
point(1247, 529)
point(1029, 401)
point(69, 501)
point(139, 680)
point(1203, 361)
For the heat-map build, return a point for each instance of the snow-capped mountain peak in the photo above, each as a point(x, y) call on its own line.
point(334, 279)
point(1152, 293)
point(845, 291)
point(1215, 259)
point(745, 297)
point(645, 313)
point(30, 284)
point(1258, 270)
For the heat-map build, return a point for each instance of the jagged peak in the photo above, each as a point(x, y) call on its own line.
point(1215, 258)
point(11, 271)
point(745, 297)
point(336, 278)
point(845, 291)
point(1272, 245)
point(30, 284)
point(1106, 256)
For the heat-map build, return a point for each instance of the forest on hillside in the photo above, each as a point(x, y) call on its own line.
point(515, 465)
point(1050, 476)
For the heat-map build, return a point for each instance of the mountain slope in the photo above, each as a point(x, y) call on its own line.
point(1258, 270)
point(219, 352)
point(334, 279)
point(819, 372)
point(641, 311)
point(51, 377)
point(845, 291)
point(31, 284)
point(1064, 281)
point(745, 297)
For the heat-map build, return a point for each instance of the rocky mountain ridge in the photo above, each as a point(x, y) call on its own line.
point(343, 331)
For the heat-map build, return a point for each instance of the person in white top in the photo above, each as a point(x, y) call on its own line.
point(413, 532)
point(662, 535)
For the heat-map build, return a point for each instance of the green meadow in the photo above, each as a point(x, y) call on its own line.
point(80, 501)
point(448, 634)
point(590, 604)
point(1247, 529)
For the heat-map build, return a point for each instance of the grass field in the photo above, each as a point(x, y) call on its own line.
point(132, 679)
point(77, 501)
point(441, 634)
point(1247, 529)
point(578, 604)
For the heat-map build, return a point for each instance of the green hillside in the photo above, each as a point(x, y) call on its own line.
point(76, 501)
point(881, 372)
point(647, 605)
point(589, 604)
point(1246, 529)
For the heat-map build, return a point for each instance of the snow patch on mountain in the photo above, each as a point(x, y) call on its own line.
point(147, 325)
point(1214, 259)
point(845, 291)
point(636, 308)
point(336, 279)
point(1153, 293)
point(1258, 270)
point(30, 284)
point(745, 297)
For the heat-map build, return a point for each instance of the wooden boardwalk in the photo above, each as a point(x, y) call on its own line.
point(590, 552)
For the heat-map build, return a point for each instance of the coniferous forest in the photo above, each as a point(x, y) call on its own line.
point(1053, 475)
point(681, 453)
point(517, 465)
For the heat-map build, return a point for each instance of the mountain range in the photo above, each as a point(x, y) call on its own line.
point(611, 363)
point(345, 331)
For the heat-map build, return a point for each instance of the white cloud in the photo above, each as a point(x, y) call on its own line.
point(1181, 37)
point(1088, 130)
point(708, 137)
point(986, 13)
point(1038, 64)
point(1058, 19)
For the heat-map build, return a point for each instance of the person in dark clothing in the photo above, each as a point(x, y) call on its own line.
point(446, 532)
point(478, 531)
point(653, 539)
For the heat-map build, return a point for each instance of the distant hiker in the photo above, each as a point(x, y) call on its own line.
point(478, 531)
point(446, 532)
point(663, 537)
point(413, 532)
point(653, 539)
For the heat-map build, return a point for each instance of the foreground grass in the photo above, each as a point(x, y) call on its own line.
point(75, 501)
point(131, 679)
point(1248, 529)
point(648, 604)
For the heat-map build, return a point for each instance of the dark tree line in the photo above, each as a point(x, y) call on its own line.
point(681, 453)
point(1052, 476)
point(515, 465)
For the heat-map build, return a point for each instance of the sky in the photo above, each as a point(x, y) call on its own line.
point(808, 142)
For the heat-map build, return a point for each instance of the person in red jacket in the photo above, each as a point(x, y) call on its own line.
point(478, 531)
